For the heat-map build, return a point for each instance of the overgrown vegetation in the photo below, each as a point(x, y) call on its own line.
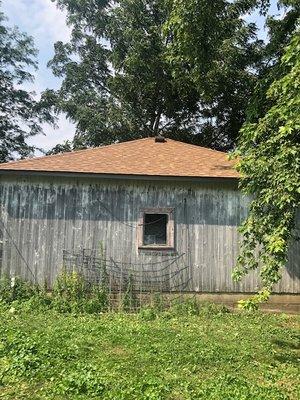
point(270, 172)
point(73, 294)
point(191, 351)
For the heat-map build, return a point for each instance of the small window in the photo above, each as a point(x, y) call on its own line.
point(156, 228)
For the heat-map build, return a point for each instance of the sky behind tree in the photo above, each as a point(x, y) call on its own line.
point(46, 24)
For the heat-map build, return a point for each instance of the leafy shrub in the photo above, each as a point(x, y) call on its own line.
point(85, 380)
point(38, 302)
point(252, 304)
point(62, 305)
point(15, 288)
point(158, 302)
point(69, 286)
point(147, 314)
point(188, 306)
point(129, 301)
point(192, 306)
point(100, 294)
point(211, 308)
point(23, 353)
point(94, 305)
point(72, 293)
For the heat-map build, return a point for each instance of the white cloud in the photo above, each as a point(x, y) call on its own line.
point(46, 24)
point(41, 18)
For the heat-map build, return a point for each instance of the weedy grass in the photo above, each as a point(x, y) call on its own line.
point(184, 353)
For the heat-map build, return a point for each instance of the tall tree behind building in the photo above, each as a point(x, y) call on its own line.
point(20, 113)
point(121, 82)
point(216, 52)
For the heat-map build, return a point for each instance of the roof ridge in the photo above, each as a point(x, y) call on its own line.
point(198, 146)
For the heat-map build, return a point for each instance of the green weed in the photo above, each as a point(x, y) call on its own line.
point(150, 355)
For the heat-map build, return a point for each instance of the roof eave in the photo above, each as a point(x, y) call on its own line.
point(203, 179)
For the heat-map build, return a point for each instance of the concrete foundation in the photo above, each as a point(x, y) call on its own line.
point(289, 303)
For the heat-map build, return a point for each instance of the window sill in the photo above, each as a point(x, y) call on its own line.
point(157, 247)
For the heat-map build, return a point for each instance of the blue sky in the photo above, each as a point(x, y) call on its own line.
point(46, 24)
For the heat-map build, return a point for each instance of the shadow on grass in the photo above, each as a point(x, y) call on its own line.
point(284, 344)
point(289, 351)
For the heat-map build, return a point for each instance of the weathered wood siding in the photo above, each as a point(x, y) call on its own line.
point(43, 216)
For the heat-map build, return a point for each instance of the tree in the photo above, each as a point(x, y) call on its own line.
point(117, 82)
point(269, 165)
point(216, 51)
point(280, 32)
point(64, 147)
point(20, 113)
point(122, 79)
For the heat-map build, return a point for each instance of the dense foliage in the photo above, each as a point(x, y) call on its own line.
point(213, 49)
point(117, 83)
point(20, 113)
point(270, 170)
point(47, 355)
point(188, 69)
point(136, 68)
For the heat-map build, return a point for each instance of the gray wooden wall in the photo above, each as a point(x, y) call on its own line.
point(43, 216)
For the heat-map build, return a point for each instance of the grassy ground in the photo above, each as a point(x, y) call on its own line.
point(46, 355)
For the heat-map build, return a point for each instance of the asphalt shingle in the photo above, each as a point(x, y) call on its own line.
point(137, 157)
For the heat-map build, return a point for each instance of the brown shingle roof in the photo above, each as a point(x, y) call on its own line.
point(137, 157)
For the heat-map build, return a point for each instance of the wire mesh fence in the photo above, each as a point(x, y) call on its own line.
point(136, 284)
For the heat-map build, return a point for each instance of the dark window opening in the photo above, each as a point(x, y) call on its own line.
point(155, 229)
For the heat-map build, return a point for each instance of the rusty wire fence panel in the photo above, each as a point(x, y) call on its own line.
point(144, 282)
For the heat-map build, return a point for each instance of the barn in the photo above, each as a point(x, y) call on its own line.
point(158, 206)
